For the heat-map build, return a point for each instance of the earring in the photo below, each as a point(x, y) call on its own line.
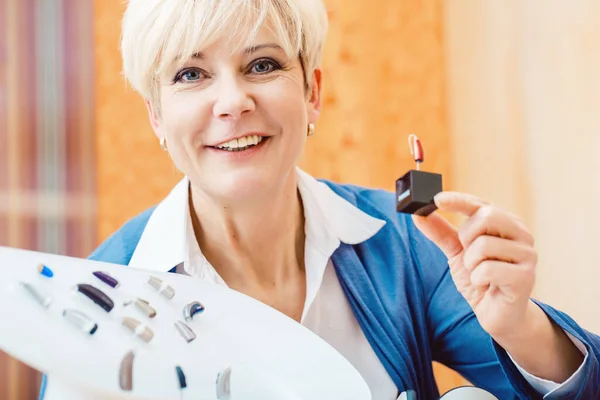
point(311, 130)
point(163, 143)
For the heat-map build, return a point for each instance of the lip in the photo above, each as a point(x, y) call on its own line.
point(261, 134)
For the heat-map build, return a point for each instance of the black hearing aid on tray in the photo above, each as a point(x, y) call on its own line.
point(96, 295)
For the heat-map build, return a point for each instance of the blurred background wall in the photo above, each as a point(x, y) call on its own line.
point(523, 81)
point(505, 96)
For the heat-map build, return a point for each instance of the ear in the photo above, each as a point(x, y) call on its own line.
point(314, 103)
point(154, 118)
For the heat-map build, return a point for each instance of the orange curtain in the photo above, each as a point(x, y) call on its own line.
point(47, 186)
point(47, 177)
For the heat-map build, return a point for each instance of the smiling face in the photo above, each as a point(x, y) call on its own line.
point(236, 121)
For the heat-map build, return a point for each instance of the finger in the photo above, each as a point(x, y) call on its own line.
point(441, 232)
point(463, 203)
point(492, 221)
point(502, 274)
point(495, 248)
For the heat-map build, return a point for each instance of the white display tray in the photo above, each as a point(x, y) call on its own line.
point(270, 355)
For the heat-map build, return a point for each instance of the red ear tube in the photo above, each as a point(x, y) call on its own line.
point(417, 150)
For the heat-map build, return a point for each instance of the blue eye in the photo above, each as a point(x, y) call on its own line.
point(264, 66)
point(189, 75)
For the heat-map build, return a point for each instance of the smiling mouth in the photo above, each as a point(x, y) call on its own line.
point(241, 144)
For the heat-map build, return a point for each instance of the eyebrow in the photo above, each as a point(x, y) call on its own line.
point(247, 51)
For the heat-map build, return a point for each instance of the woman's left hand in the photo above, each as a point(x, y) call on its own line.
point(492, 261)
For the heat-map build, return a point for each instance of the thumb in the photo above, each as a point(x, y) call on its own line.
point(441, 232)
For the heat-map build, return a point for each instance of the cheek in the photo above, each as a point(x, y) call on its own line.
point(181, 123)
point(183, 116)
point(288, 105)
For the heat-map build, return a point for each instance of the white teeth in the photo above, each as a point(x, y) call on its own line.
point(241, 143)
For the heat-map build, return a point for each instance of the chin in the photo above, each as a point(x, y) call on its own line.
point(244, 184)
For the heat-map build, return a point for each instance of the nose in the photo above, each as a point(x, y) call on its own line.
point(233, 99)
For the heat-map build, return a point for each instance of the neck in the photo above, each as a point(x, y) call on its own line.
point(258, 244)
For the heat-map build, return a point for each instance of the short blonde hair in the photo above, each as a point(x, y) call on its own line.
point(158, 33)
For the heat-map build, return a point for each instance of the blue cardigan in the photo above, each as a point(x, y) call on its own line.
point(399, 286)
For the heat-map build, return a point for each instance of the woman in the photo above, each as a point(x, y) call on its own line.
point(233, 90)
